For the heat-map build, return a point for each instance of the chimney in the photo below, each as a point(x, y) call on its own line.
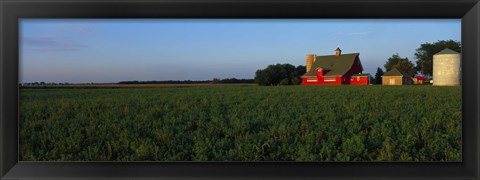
point(338, 52)
point(310, 60)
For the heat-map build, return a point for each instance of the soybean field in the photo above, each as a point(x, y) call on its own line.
point(241, 123)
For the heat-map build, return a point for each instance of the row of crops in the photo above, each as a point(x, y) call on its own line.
point(241, 123)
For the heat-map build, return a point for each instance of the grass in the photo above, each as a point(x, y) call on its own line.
point(241, 123)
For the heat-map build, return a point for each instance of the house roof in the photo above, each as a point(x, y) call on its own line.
point(395, 72)
point(335, 66)
point(447, 51)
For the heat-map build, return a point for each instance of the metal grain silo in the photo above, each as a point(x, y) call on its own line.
point(446, 68)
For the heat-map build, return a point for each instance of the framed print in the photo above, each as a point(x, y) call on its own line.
point(239, 89)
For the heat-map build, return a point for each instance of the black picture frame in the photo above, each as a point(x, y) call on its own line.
point(13, 10)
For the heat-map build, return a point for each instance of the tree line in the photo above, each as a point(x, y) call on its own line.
point(214, 81)
point(280, 74)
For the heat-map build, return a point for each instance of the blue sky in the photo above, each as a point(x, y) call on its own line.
point(96, 50)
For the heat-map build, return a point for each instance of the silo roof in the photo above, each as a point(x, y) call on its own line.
point(447, 51)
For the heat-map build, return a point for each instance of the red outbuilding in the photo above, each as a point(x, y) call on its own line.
point(331, 69)
point(360, 79)
point(418, 80)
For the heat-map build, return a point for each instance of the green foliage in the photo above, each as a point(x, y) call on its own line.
point(241, 123)
point(424, 54)
point(378, 76)
point(402, 64)
point(285, 81)
point(280, 74)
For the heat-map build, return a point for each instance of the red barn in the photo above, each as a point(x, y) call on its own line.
point(360, 79)
point(332, 69)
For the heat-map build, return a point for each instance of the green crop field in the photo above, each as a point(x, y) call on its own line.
point(241, 123)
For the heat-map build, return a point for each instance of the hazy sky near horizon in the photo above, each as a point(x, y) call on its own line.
point(102, 50)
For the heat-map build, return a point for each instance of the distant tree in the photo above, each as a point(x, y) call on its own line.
point(296, 81)
point(402, 64)
point(425, 52)
point(215, 80)
point(284, 74)
point(285, 81)
point(297, 74)
point(262, 77)
point(301, 70)
point(378, 76)
point(235, 80)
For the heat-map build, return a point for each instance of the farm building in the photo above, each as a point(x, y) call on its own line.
point(360, 79)
point(418, 80)
point(446, 68)
point(396, 77)
point(331, 69)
